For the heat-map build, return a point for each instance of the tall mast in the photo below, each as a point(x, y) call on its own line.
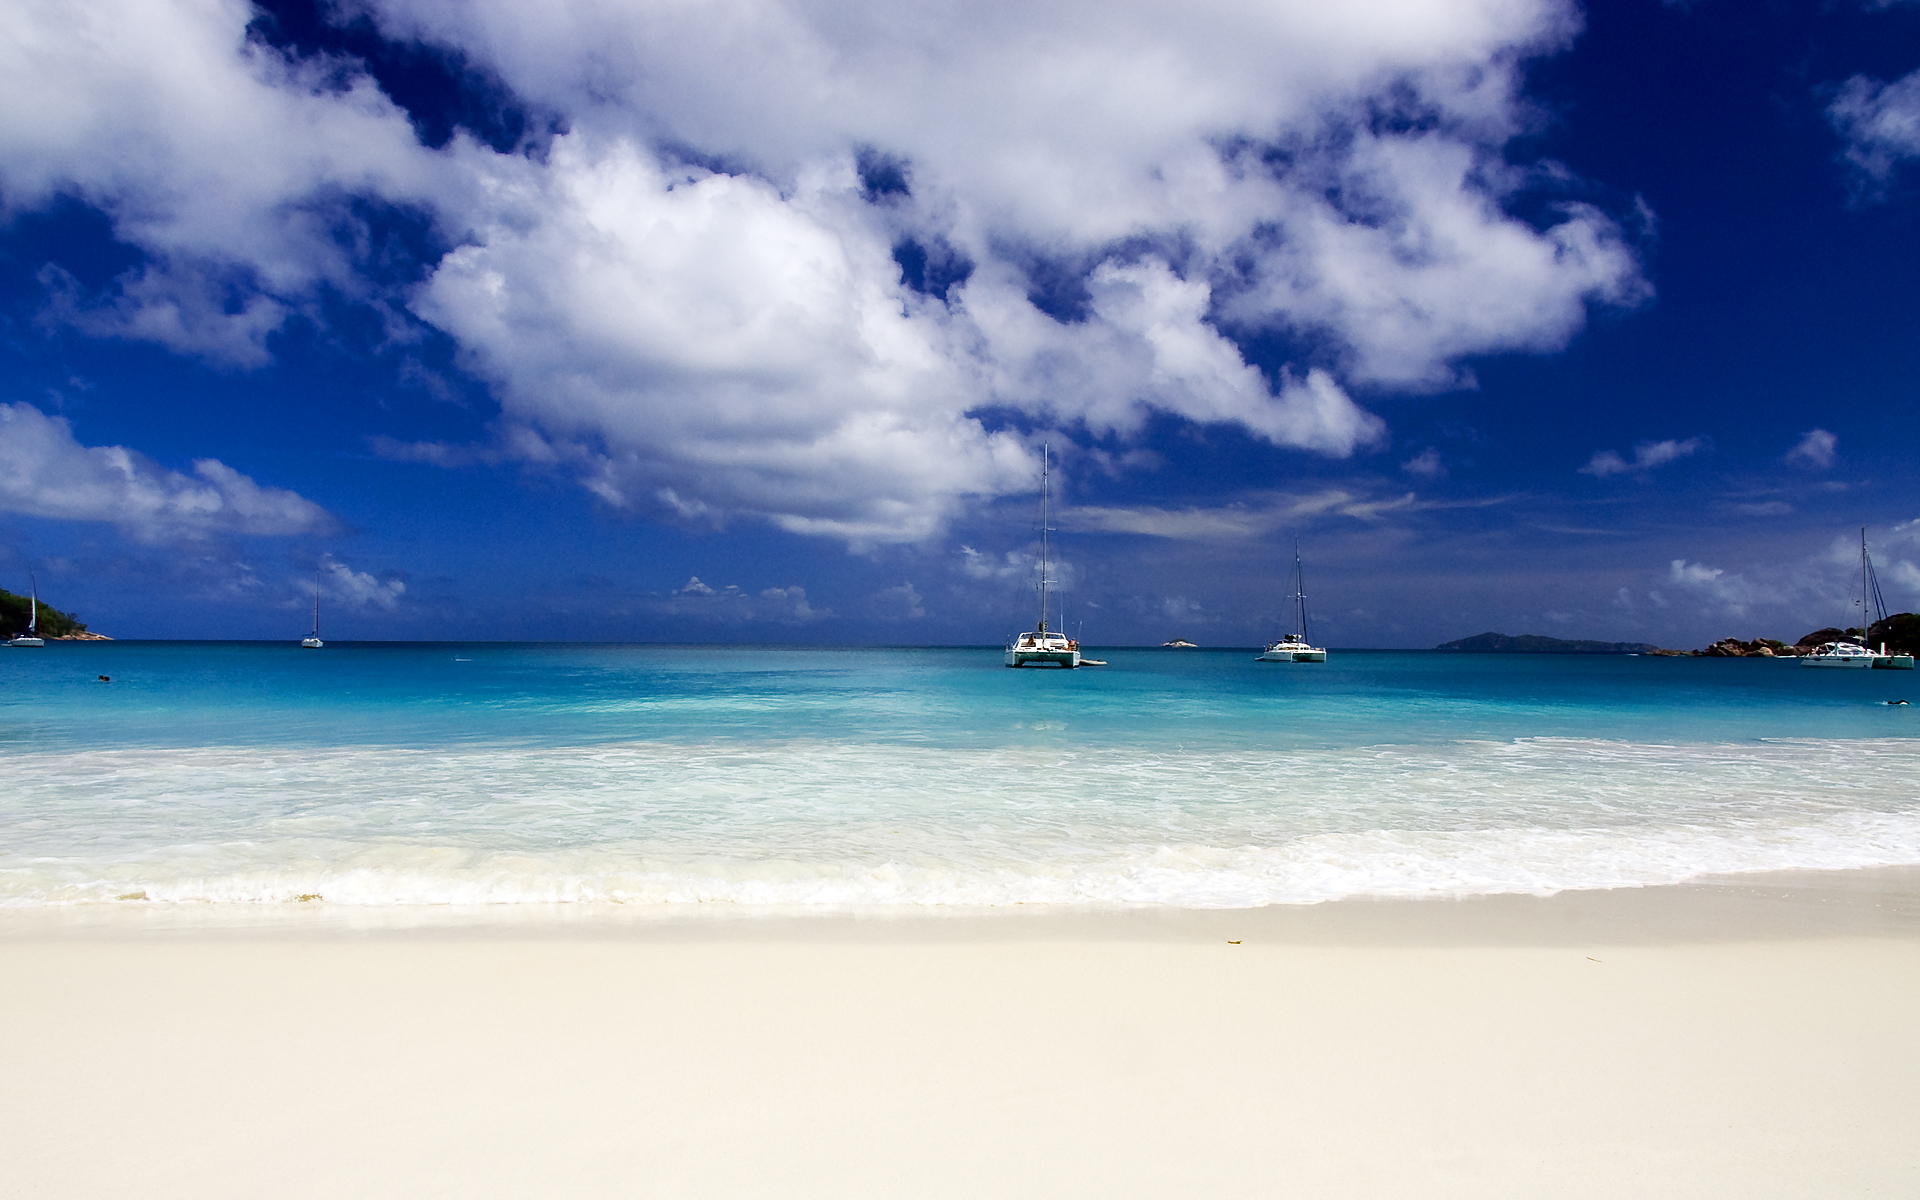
point(1866, 602)
point(33, 612)
point(316, 604)
point(1299, 595)
point(1046, 493)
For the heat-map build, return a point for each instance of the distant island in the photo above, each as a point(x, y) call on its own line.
point(17, 611)
point(1899, 633)
point(1533, 643)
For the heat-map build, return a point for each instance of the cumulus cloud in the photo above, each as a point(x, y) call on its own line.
point(1646, 456)
point(232, 167)
point(902, 603)
point(1732, 594)
point(357, 589)
point(1814, 450)
point(1880, 122)
point(735, 605)
point(703, 298)
point(45, 472)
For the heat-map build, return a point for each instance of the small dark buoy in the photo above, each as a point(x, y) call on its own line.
point(105, 679)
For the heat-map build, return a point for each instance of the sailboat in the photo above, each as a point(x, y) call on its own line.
point(1294, 647)
point(312, 641)
point(30, 638)
point(1873, 610)
point(1042, 647)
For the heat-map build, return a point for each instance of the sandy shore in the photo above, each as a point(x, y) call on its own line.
point(1749, 1038)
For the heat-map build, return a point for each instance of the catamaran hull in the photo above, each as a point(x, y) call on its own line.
point(1293, 656)
point(26, 642)
point(1043, 658)
point(1893, 662)
point(1839, 662)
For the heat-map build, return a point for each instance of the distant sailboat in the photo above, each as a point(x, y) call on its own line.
point(1294, 647)
point(312, 641)
point(30, 639)
point(1041, 647)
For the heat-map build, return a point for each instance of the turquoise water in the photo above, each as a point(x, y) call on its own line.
point(488, 773)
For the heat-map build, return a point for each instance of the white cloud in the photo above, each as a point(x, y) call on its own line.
point(1880, 121)
point(357, 589)
point(1013, 565)
point(1254, 518)
point(735, 605)
point(1732, 594)
point(903, 602)
point(231, 167)
point(1646, 456)
point(1815, 450)
point(717, 344)
point(45, 472)
point(1426, 465)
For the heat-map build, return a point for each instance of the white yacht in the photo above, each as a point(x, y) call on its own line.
point(312, 641)
point(1840, 655)
point(1042, 647)
point(1857, 655)
point(1294, 647)
point(30, 638)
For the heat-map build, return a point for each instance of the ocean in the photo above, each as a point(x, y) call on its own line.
point(461, 774)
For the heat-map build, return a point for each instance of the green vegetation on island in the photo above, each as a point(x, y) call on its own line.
point(17, 611)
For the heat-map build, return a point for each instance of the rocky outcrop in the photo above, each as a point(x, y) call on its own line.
point(1757, 648)
point(1821, 637)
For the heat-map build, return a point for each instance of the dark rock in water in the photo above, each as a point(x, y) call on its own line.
point(1757, 648)
point(1533, 643)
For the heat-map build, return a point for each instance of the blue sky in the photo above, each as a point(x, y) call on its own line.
point(749, 322)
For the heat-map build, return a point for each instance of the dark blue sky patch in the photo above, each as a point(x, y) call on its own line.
point(394, 245)
point(1055, 286)
point(931, 267)
point(76, 237)
point(440, 89)
point(882, 176)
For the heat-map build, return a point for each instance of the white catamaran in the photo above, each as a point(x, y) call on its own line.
point(1042, 647)
point(31, 637)
point(1294, 647)
point(312, 641)
point(1873, 610)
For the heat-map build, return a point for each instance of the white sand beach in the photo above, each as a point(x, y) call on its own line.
point(1743, 1038)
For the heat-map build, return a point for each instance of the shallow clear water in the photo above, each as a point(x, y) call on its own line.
point(482, 773)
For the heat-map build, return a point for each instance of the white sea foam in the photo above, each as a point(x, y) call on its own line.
point(828, 823)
